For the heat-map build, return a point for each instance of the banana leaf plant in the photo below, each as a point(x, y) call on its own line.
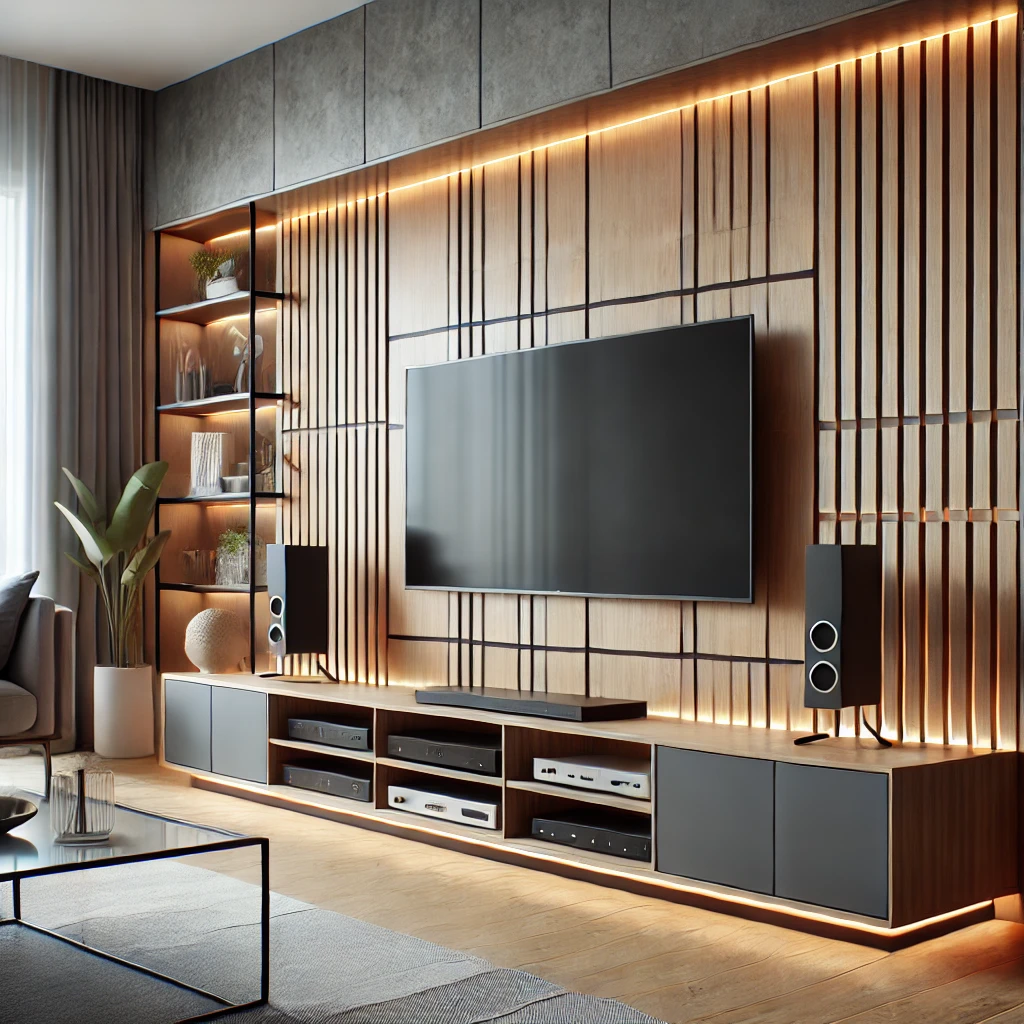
point(118, 557)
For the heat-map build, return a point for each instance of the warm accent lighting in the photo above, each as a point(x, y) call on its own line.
point(650, 117)
point(243, 231)
point(397, 818)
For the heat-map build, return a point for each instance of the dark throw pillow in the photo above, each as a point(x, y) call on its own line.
point(14, 591)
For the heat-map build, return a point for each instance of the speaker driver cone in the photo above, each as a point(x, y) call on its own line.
point(277, 606)
point(823, 636)
point(823, 677)
point(275, 634)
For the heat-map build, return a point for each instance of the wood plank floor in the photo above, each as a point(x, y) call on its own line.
point(675, 962)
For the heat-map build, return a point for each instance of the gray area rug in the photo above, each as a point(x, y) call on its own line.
point(203, 928)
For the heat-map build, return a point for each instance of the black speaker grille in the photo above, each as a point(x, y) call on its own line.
point(823, 677)
point(823, 636)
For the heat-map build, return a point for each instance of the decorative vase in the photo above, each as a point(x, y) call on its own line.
point(123, 711)
point(221, 286)
point(82, 806)
point(217, 640)
point(233, 564)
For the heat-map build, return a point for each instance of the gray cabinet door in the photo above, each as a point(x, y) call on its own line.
point(187, 724)
point(239, 741)
point(832, 838)
point(714, 818)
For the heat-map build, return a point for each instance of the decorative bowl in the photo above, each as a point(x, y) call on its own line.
point(15, 811)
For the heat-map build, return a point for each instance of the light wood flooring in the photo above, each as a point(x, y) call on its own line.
point(675, 962)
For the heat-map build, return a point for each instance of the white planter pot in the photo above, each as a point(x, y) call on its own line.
point(221, 286)
point(123, 711)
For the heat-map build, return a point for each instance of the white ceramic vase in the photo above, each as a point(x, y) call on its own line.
point(221, 286)
point(122, 713)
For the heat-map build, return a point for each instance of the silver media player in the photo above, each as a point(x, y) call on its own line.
point(464, 810)
point(607, 773)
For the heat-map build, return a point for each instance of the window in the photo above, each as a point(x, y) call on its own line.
point(15, 385)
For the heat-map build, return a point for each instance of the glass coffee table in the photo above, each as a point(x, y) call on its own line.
point(29, 852)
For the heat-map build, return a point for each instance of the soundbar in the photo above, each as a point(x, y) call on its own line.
point(620, 835)
point(354, 783)
point(469, 752)
point(568, 707)
point(607, 773)
point(449, 806)
point(331, 731)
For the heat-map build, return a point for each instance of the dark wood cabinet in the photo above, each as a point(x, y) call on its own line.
point(832, 838)
point(714, 818)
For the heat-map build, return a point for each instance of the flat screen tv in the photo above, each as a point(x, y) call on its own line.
point(615, 467)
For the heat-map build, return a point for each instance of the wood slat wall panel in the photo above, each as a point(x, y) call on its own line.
point(875, 204)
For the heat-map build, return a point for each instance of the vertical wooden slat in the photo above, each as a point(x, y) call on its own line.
point(791, 244)
point(957, 214)
point(849, 178)
point(828, 409)
point(935, 677)
point(758, 183)
point(913, 681)
point(870, 239)
point(892, 638)
point(740, 186)
point(1007, 617)
point(714, 191)
point(688, 199)
point(1006, 221)
point(912, 201)
point(934, 254)
point(890, 241)
point(983, 671)
point(958, 633)
point(981, 223)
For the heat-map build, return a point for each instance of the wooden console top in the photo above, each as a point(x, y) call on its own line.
point(861, 754)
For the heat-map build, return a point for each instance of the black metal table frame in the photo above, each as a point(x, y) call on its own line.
point(235, 842)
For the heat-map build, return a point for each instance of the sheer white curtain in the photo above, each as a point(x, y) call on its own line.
point(70, 323)
point(29, 371)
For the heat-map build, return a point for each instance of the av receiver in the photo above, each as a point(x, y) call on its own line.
point(465, 751)
point(449, 806)
point(621, 835)
point(607, 773)
point(354, 783)
point(330, 730)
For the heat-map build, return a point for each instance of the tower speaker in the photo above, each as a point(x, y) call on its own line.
point(297, 584)
point(843, 626)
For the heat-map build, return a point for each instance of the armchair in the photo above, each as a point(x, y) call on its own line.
point(37, 684)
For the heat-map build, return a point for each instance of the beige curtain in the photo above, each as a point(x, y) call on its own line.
point(71, 158)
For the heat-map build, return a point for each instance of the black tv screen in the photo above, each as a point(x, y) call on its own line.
point(614, 467)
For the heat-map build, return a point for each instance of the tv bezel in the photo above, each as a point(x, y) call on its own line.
point(749, 599)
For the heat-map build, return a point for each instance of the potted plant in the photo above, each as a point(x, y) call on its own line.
point(118, 557)
point(217, 270)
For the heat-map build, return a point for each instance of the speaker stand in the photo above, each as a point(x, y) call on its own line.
point(882, 741)
point(274, 675)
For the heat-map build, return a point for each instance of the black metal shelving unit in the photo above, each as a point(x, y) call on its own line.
point(246, 302)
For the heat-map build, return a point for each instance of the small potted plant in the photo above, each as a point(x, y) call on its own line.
point(216, 270)
point(233, 559)
point(118, 558)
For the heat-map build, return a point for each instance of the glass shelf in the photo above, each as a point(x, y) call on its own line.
point(228, 498)
point(211, 588)
point(220, 404)
point(209, 310)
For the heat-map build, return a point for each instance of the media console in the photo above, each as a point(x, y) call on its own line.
point(883, 847)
